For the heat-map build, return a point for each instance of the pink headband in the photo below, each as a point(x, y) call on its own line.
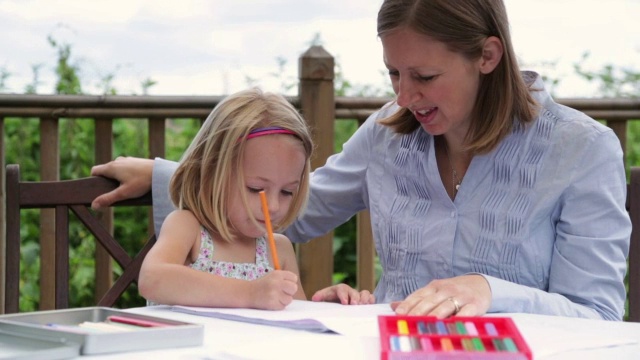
point(269, 131)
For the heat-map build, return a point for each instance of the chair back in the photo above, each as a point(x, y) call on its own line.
point(64, 197)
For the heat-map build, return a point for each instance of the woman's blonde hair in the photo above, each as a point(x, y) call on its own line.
point(464, 25)
point(203, 180)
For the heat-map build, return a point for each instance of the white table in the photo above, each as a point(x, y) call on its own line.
point(548, 337)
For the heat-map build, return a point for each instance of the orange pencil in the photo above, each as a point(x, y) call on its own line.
point(267, 221)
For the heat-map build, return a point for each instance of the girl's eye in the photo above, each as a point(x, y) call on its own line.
point(253, 190)
point(287, 193)
point(393, 73)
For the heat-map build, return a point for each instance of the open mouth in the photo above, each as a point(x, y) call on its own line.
point(426, 111)
point(425, 115)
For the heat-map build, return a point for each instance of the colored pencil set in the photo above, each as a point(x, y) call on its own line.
point(427, 337)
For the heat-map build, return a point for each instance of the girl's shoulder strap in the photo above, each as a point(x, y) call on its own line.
point(261, 251)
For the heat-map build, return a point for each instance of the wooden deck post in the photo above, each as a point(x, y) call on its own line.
point(103, 135)
point(316, 91)
point(157, 148)
point(49, 171)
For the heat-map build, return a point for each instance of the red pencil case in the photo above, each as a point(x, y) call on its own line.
point(427, 337)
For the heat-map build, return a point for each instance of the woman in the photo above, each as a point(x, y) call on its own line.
point(485, 195)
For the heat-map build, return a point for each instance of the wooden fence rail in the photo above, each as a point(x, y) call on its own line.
point(317, 103)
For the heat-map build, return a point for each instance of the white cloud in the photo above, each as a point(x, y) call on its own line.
point(112, 11)
point(204, 47)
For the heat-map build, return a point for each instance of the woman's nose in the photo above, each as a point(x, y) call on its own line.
point(406, 93)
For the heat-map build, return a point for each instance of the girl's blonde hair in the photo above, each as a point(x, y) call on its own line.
point(463, 25)
point(203, 180)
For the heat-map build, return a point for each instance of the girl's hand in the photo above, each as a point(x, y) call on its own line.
point(466, 295)
point(344, 294)
point(274, 291)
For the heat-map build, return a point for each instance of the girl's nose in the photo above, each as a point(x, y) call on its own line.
point(273, 203)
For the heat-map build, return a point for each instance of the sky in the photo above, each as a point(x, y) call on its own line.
point(212, 47)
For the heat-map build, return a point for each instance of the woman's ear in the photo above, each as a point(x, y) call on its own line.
point(492, 51)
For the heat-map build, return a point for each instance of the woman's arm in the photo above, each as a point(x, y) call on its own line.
point(137, 176)
point(339, 189)
point(162, 205)
point(134, 175)
point(588, 262)
point(588, 258)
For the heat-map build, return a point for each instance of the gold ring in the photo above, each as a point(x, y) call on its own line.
point(455, 303)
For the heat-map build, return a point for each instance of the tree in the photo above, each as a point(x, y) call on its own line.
point(76, 158)
point(4, 75)
point(612, 81)
point(68, 81)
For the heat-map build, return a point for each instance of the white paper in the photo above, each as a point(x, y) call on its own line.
point(357, 320)
point(352, 348)
point(552, 335)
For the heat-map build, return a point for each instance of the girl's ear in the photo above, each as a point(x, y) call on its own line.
point(492, 51)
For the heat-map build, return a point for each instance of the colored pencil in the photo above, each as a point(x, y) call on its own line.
point(403, 327)
point(134, 321)
point(267, 221)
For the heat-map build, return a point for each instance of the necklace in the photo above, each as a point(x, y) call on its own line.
point(455, 181)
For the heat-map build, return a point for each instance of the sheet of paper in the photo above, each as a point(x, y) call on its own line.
point(548, 336)
point(357, 320)
point(296, 348)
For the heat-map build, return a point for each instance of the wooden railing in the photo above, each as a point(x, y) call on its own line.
point(317, 103)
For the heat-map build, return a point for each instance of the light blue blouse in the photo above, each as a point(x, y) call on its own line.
point(542, 217)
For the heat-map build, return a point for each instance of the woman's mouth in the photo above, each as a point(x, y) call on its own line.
point(425, 116)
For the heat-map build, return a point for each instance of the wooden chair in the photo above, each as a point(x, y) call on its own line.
point(633, 205)
point(65, 196)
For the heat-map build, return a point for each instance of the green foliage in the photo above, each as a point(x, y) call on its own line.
point(32, 88)
point(184, 130)
point(4, 75)
point(344, 239)
point(68, 80)
point(612, 81)
point(29, 264)
point(633, 144)
point(76, 146)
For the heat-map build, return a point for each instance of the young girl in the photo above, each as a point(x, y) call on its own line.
point(212, 250)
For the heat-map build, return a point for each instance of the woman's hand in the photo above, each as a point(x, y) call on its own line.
point(344, 294)
point(466, 295)
point(134, 175)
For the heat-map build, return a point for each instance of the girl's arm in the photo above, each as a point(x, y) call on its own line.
point(165, 278)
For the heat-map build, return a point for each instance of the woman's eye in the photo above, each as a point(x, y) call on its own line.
point(426, 78)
